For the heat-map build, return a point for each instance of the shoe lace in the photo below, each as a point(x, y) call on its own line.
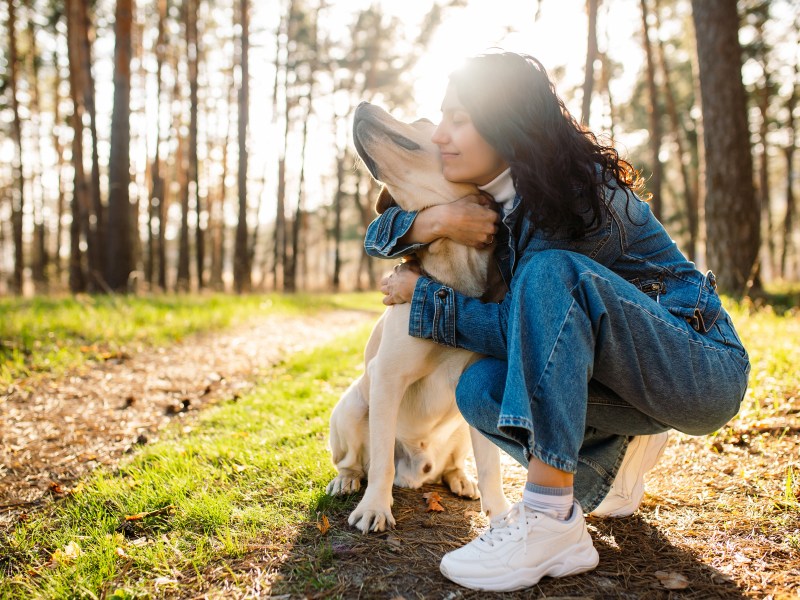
point(507, 526)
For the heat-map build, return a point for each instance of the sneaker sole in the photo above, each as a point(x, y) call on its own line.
point(569, 562)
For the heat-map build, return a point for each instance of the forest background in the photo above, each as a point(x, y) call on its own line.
point(167, 145)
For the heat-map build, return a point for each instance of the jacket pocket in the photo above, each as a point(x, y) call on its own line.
point(695, 301)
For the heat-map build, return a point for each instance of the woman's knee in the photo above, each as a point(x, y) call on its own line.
point(480, 391)
point(551, 267)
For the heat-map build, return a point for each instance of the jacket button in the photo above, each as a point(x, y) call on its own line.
point(442, 293)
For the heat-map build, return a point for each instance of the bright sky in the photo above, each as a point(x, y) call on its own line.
point(557, 38)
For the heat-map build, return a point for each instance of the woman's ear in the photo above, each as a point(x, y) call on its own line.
point(384, 201)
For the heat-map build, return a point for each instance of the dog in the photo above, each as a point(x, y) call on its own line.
point(399, 423)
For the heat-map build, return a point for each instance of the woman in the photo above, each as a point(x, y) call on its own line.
point(607, 338)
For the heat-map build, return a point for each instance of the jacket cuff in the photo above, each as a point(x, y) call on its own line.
point(433, 312)
point(384, 233)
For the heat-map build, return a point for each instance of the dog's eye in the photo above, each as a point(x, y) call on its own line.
point(404, 142)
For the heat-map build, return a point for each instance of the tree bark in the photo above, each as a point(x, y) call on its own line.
point(193, 175)
point(18, 189)
point(654, 112)
point(119, 244)
point(678, 131)
point(591, 56)
point(241, 264)
point(157, 189)
point(81, 194)
point(732, 212)
point(788, 222)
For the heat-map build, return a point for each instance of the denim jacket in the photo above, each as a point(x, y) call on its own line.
point(629, 241)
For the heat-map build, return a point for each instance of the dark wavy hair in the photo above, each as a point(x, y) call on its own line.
point(554, 160)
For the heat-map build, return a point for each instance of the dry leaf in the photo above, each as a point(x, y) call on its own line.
point(324, 525)
point(433, 498)
point(57, 488)
point(152, 513)
point(70, 552)
point(672, 580)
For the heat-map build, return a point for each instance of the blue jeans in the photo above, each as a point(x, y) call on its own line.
point(592, 361)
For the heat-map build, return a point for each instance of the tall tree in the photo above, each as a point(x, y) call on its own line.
point(789, 151)
point(591, 57)
point(39, 254)
point(732, 212)
point(156, 197)
point(120, 247)
point(682, 144)
point(193, 48)
point(654, 111)
point(241, 262)
point(18, 190)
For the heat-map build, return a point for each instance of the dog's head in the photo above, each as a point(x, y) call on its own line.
point(402, 157)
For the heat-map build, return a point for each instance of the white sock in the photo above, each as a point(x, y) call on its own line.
point(555, 501)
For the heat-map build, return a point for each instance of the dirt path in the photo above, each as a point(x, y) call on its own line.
point(56, 430)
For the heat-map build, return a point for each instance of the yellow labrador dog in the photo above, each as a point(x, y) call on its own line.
point(399, 423)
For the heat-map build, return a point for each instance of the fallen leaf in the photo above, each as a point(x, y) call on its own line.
point(70, 552)
point(57, 488)
point(324, 525)
point(432, 499)
point(152, 513)
point(672, 580)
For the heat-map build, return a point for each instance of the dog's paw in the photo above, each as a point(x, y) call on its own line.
point(367, 519)
point(461, 485)
point(343, 484)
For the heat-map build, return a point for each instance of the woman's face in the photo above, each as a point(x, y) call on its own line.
point(466, 156)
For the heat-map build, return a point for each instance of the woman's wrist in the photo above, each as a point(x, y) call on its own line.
point(426, 228)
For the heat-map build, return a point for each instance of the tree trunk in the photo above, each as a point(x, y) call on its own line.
point(654, 112)
point(157, 189)
point(18, 189)
point(40, 257)
point(193, 176)
point(119, 245)
point(788, 222)
point(763, 95)
point(241, 264)
point(337, 224)
point(591, 56)
point(78, 276)
point(59, 169)
point(732, 213)
point(678, 132)
point(96, 229)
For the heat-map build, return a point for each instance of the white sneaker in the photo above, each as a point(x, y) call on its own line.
point(627, 491)
point(521, 548)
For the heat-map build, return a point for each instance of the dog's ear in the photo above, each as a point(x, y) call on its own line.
point(384, 201)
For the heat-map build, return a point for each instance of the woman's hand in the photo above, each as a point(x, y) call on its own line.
point(471, 221)
point(398, 286)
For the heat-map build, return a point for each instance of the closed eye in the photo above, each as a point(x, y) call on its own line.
point(404, 142)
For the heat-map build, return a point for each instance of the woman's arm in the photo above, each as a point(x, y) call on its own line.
point(471, 221)
point(480, 327)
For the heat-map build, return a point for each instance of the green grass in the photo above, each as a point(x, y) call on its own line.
point(52, 335)
point(252, 472)
point(247, 473)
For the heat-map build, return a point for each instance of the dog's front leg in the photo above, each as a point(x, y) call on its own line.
point(374, 512)
point(490, 475)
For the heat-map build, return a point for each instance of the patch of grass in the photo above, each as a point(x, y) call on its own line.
point(249, 471)
point(52, 335)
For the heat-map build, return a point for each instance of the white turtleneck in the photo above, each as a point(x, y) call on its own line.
point(502, 190)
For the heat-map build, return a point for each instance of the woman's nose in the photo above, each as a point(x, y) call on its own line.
point(439, 136)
